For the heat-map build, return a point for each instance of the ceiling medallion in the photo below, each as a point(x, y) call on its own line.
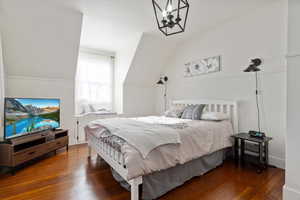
point(171, 15)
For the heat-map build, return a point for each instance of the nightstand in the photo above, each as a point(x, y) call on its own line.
point(244, 145)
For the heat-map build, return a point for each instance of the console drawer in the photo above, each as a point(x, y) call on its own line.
point(58, 143)
point(29, 154)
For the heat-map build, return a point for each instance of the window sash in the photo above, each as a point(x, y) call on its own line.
point(94, 83)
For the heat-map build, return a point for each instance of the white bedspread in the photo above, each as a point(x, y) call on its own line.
point(143, 136)
point(198, 138)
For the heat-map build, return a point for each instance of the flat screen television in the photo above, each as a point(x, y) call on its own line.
point(24, 116)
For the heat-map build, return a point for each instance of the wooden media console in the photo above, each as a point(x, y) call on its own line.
point(17, 151)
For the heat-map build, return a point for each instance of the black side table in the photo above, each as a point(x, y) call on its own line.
point(262, 144)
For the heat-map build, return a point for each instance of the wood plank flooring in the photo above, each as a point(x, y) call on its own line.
point(72, 176)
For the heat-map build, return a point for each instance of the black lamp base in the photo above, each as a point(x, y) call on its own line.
point(257, 134)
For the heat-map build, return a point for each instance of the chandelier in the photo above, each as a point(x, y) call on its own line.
point(171, 15)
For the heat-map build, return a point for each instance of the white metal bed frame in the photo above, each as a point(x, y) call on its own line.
point(115, 159)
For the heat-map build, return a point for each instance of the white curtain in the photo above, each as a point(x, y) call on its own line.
point(94, 83)
point(1, 91)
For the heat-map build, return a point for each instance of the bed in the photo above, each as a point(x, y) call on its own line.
point(201, 148)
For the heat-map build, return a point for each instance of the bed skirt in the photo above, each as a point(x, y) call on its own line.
point(161, 182)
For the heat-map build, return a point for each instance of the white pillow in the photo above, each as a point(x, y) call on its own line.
point(175, 111)
point(214, 116)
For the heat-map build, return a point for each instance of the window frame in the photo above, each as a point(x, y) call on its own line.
point(112, 55)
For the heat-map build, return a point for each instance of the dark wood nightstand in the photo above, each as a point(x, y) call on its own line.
point(256, 147)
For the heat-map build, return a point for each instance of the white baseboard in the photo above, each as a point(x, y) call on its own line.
point(290, 193)
point(81, 142)
point(277, 162)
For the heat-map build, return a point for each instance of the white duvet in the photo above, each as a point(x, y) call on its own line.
point(143, 136)
point(198, 138)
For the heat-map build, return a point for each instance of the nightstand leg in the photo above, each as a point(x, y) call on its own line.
point(243, 152)
point(267, 153)
point(261, 161)
point(89, 151)
point(236, 150)
point(12, 171)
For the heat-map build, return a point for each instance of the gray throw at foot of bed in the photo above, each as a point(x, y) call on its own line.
point(159, 183)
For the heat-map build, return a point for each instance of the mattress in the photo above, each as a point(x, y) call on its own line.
point(198, 138)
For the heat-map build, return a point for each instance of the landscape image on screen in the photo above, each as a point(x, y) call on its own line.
point(24, 116)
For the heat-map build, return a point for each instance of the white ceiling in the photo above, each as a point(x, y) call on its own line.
point(110, 24)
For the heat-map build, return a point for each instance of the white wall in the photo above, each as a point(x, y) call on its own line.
point(1, 91)
point(259, 34)
point(17, 86)
point(40, 49)
point(292, 178)
point(150, 58)
point(139, 100)
point(123, 62)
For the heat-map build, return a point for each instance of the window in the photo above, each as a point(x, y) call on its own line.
point(94, 83)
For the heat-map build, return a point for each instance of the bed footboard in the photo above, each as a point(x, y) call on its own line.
point(116, 160)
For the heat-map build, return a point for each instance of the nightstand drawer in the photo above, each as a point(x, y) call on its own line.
point(252, 147)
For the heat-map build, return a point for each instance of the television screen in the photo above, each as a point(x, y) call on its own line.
point(24, 116)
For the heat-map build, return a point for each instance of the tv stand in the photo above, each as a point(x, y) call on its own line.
point(17, 151)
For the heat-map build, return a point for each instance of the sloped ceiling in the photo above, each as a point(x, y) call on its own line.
point(151, 55)
point(108, 23)
point(30, 28)
point(40, 39)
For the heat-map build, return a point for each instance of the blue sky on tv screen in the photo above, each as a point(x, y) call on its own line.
point(41, 103)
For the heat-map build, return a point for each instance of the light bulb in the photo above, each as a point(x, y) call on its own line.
point(164, 13)
point(169, 8)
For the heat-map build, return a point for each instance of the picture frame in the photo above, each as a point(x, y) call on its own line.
point(202, 66)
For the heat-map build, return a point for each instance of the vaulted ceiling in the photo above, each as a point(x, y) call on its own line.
point(108, 23)
point(114, 24)
point(39, 39)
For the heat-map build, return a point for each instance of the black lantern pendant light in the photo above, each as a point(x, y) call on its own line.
point(171, 15)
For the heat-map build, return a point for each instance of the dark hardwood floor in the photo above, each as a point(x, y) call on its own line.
point(72, 176)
